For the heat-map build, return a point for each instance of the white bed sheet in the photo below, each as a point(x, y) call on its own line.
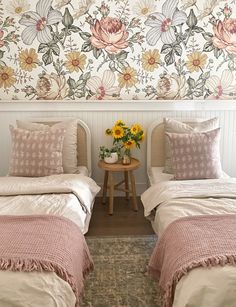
point(83, 170)
point(21, 289)
point(156, 175)
point(66, 205)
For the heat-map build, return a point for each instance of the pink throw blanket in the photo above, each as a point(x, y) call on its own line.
point(45, 243)
point(191, 242)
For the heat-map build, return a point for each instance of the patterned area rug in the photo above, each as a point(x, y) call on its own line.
point(120, 277)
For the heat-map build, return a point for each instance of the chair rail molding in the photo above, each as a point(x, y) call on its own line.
point(111, 106)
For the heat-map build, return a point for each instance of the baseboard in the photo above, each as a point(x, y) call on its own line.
point(140, 188)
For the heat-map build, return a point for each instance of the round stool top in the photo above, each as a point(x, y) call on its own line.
point(118, 167)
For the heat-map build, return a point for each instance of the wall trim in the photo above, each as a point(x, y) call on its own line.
point(111, 106)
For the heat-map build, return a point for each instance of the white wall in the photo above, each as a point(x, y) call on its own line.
point(100, 116)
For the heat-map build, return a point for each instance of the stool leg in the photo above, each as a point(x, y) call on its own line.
point(111, 192)
point(104, 193)
point(133, 189)
point(126, 175)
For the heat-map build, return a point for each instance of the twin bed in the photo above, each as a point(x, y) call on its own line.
point(195, 220)
point(38, 210)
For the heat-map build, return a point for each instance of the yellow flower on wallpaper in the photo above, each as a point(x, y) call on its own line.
point(144, 7)
point(117, 132)
point(18, 7)
point(76, 61)
point(150, 59)
point(7, 78)
point(128, 77)
point(196, 61)
point(28, 59)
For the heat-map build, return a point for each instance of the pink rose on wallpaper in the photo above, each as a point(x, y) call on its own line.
point(225, 35)
point(109, 34)
point(52, 87)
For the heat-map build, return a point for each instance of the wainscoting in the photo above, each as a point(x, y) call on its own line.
point(100, 116)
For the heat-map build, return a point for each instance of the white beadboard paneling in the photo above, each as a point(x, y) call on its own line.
point(98, 121)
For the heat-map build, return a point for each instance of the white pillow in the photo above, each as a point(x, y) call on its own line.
point(175, 126)
point(69, 150)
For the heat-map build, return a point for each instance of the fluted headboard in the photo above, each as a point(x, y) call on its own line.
point(155, 144)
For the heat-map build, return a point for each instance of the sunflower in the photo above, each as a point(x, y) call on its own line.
point(135, 129)
point(117, 132)
point(108, 131)
point(129, 144)
point(76, 61)
point(150, 60)
point(7, 78)
point(119, 122)
point(196, 61)
point(28, 59)
point(128, 77)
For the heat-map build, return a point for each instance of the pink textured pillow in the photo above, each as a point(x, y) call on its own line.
point(196, 155)
point(36, 153)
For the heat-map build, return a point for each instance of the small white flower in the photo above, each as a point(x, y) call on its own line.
point(103, 89)
point(162, 23)
point(18, 7)
point(83, 7)
point(187, 3)
point(37, 23)
point(221, 88)
point(144, 8)
point(61, 3)
point(207, 8)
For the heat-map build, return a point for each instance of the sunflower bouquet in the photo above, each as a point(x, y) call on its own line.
point(127, 137)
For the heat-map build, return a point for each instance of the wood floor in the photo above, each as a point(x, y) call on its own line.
point(124, 220)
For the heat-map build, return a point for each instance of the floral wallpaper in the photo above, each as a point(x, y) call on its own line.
point(79, 50)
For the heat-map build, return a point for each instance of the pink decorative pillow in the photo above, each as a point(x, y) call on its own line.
point(36, 153)
point(196, 155)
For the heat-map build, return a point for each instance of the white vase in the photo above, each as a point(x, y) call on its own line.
point(112, 159)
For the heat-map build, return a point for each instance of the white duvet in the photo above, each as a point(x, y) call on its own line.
point(70, 196)
point(167, 201)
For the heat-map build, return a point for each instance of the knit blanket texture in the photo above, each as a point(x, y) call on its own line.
point(45, 243)
point(192, 242)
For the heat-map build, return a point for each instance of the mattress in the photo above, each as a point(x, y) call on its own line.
point(156, 175)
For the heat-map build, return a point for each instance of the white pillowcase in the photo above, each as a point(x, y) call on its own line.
point(69, 150)
point(175, 126)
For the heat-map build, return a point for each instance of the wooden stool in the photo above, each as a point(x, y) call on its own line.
point(128, 175)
